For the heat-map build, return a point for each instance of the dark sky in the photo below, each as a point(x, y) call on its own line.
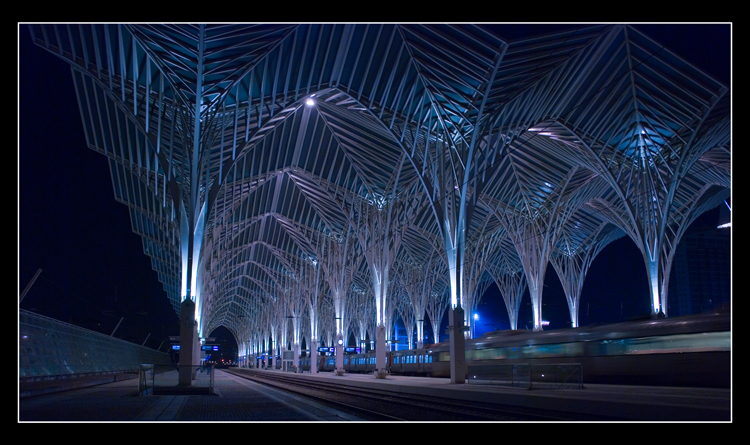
point(94, 268)
point(94, 271)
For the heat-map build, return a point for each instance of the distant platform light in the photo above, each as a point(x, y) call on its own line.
point(310, 100)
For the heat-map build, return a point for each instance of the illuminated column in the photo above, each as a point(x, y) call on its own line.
point(340, 353)
point(380, 223)
point(248, 355)
point(265, 350)
point(535, 294)
point(310, 286)
point(296, 356)
point(653, 277)
point(457, 341)
point(454, 249)
point(380, 351)
point(418, 280)
point(420, 334)
point(339, 256)
point(314, 356)
point(269, 362)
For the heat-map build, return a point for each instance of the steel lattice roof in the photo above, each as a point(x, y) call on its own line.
point(599, 117)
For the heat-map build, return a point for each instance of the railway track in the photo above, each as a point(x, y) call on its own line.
point(319, 395)
point(380, 405)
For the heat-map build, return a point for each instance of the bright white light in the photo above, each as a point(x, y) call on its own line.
point(724, 226)
point(310, 101)
point(476, 316)
point(545, 323)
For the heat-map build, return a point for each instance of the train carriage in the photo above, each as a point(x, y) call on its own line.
point(412, 362)
point(685, 351)
point(679, 351)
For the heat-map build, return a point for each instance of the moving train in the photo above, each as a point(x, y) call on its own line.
point(681, 351)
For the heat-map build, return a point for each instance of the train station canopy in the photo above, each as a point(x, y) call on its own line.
point(250, 155)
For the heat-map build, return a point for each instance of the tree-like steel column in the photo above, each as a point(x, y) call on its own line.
point(534, 230)
point(404, 311)
point(363, 305)
point(574, 256)
point(289, 307)
point(419, 280)
point(389, 315)
point(647, 160)
point(477, 256)
point(339, 263)
point(512, 286)
point(310, 287)
point(452, 217)
point(191, 224)
point(379, 227)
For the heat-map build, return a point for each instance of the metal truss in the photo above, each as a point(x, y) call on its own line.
point(269, 167)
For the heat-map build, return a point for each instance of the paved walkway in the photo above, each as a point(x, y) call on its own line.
point(235, 399)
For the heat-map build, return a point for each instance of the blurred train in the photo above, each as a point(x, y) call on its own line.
point(681, 351)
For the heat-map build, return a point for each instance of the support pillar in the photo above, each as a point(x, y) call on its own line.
point(380, 347)
point(295, 361)
point(339, 354)
point(457, 345)
point(652, 267)
point(314, 356)
point(420, 334)
point(188, 337)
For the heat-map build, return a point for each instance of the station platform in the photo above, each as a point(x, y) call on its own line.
point(234, 400)
point(237, 399)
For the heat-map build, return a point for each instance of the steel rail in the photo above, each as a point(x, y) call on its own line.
point(414, 407)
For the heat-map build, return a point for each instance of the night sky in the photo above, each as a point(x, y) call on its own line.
point(94, 268)
point(94, 271)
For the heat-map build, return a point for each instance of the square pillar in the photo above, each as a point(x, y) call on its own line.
point(188, 337)
point(457, 345)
